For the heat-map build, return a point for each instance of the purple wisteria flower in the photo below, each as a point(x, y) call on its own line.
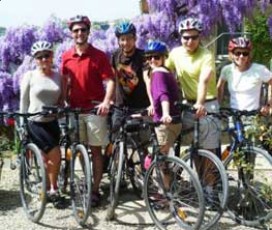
point(161, 23)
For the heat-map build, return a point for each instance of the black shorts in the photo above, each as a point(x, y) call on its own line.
point(46, 135)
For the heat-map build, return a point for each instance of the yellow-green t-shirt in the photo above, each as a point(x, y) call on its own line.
point(188, 68)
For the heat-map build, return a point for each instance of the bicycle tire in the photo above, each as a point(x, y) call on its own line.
point(64, 172)
point(80, 184)
point(116, 171)
point(32, 182)
point(63, 177)
point(251, 193)
point(184, 201)
point(216, 197)
point(136, 171)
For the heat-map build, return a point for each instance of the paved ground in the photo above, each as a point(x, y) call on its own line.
point(131, 213)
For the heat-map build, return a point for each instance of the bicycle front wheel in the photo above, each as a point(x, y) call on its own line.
point(214, 181)
point(250, 179)
point(80, 183)
point(32, 182)
point(173, 194)
point(116, 171)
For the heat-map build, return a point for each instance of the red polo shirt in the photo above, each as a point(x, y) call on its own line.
point(87, 73)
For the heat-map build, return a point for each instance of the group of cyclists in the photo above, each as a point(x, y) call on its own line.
point(151, 78)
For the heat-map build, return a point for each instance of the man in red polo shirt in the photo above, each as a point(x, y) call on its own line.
point(89, 75)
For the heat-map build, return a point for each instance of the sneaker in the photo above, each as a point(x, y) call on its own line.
point(96, 199)
point(57, 200)
point(212, 201)
point(159, 202)
point(147, 162)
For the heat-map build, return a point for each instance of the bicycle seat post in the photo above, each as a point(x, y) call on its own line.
point(76, 116)
point(196, 133)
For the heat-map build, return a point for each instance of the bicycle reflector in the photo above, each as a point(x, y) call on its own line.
point(9, 121)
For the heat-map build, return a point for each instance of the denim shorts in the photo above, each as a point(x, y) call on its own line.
point(210, 126)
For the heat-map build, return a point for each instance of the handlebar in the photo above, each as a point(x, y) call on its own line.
point(190, 108)
point(130, 112)
point(225, 112)
point(65, 110)
point(25, 115)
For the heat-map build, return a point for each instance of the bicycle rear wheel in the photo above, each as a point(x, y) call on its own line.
point(250, 193)
point(32, 182)
point(81, 181)
point(214, 181)
point(136, 171)
point(116, 171)
point(181, 206)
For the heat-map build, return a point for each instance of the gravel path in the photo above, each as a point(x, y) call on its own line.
point(131, 213)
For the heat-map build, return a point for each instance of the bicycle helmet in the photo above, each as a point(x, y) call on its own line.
point(41, 46)
point(190, 24)
point(79, 19)
point(240, 42)
point(125, 28)
point(155, 46)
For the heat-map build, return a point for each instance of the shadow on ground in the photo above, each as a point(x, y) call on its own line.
point(9, 200)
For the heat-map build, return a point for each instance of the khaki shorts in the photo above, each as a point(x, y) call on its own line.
point(167, 134)
point(93, 130)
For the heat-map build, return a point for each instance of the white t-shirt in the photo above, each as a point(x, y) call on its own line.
point(245, 87)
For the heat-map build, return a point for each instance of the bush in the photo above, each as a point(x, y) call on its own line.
point(260, 37)
point(6, 138)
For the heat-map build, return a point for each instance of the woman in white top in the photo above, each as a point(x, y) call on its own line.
point(42, 87)
point(244, 77)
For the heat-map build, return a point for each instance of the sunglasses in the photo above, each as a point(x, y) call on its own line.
point(43, 56)
point(193, 37)
point(238, 54)
point(156, 57)
point(83, 30)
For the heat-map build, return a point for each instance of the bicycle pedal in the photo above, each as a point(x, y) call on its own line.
point(181, 213)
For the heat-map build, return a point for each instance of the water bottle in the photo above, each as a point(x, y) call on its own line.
point(171, 152)
point(225, 153)
point(239, 132)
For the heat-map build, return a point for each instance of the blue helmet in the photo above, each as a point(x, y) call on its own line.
point(155, 46)
point(125, 28)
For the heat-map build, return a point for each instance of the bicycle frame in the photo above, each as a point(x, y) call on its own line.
point(129, 133)
point(237, 129)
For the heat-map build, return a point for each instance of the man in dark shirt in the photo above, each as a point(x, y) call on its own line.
point(128, 62)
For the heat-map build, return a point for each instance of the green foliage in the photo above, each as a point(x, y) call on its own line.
point(6, 138)
point(262, 43)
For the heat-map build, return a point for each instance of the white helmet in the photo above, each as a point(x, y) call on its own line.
point(41, 46)
point(190, 24)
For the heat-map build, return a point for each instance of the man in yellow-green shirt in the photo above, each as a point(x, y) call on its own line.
point(195, 69)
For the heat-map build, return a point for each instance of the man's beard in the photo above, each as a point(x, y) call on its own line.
point(129, 52)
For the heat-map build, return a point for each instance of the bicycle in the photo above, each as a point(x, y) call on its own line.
point(249, 168)
point(179, 203)
point(128, 155)
point(75, 156)
point(210, 170)
point(32, 175)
